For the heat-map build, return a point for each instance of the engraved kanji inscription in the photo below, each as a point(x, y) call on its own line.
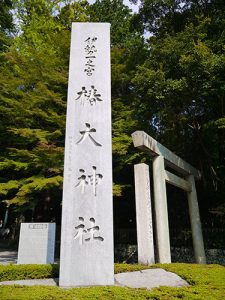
point(92, 232)
point(91, 96)
point(80, 231)
point(87, 134)
point(82, 95)
point(82, 182)
point(87, 235)
point(95, 179)
point(90, 50)
point(92, 180)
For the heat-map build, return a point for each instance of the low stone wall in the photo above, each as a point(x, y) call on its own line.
point(128, 254)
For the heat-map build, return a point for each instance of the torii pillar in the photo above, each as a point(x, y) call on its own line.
point(163, 157)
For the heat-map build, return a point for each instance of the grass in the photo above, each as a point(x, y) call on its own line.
point(207, 282)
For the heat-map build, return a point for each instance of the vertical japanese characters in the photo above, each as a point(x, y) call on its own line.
point(88, 96)
point(90, 51)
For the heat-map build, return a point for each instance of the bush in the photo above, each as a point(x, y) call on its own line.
point(120, 268)
point(20, 272)
point(196, 274)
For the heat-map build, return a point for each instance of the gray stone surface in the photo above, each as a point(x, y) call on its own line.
point(146, 143)
point(36, 243)
point(161, 211)
point(146, 254)
point(46, 282)
point(196, 226)
point(149, 279)
point(141, 279)
point(87, 218)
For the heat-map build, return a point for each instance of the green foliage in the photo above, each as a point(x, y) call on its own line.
point(33, 96)
point(206, 281)
point(118, 15)
point(118, 189)
point(52, 293)
point(181, 85)
point(33, 104)
point(121, 268)
point(22, 272)
point(6, 23)
point(196, 274)
point(171, 86)
point(6, 20)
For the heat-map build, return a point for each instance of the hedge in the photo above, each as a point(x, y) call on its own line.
point(206, 282)
point(20, 272)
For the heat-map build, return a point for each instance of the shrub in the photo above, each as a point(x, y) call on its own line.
point(120, 268)
point(20, 272)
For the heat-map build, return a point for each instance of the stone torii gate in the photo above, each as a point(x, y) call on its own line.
point(162, 158)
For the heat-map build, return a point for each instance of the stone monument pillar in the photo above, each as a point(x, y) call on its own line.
point(87, 215)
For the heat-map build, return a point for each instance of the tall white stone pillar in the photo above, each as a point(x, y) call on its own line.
point(144, 215)
point(161, 212)
point(196, 227)
point(87, 216)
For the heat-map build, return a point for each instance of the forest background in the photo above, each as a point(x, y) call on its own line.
point(168, 66)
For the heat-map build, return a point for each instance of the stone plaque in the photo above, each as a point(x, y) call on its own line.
point(36, 243)
point(87, 216)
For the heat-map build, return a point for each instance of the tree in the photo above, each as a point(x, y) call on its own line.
point(34, 90)
point(181, 85)
point(33, 107)
point(6, 22)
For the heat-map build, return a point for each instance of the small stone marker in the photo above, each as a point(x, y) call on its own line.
point(37, 243)
point(87, 218)
point(144, 215)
